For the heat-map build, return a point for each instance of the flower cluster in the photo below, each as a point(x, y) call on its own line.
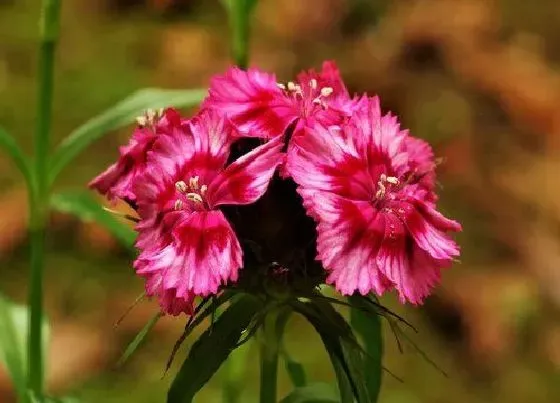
point(367, 187)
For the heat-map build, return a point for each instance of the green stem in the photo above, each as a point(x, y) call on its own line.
point(39, 192)
point(272, 331)
point(269, 363)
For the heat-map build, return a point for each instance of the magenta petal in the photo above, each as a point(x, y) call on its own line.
point(347, 246)
point(327, 159)
point(205, 254)
point(246, 179)
point(253, 101)
point(169, 303)
point(118, 180)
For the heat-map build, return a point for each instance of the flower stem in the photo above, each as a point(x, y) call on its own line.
point(272, 331)
point(39, 192)
point(269, 360)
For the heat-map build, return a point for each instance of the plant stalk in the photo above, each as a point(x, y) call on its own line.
point(269, 348)
point(39, 191)
point(270, 345)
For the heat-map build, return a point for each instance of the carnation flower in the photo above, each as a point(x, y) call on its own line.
point(187, 246)
point(261, 107)
point(369, 186)
point(117, 180)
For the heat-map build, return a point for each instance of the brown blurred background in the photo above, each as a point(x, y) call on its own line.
point(479, 79)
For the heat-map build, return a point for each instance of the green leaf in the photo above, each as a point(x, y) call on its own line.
point(134, 344)
point(344, 351)
point(295, 371)
point(239, 12)
point(11, 148)
point(212, 348)
point(368, 326)
point(314, 393)
point(86, 207)
point(235, 366)
point(120, 115)
point(13, 342)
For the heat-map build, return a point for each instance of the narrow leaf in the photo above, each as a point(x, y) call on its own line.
point(84, 206)
point(369, 328)
point(314, 393)
point(211, 349)
point(120, 115)
point(236, 365)
point(295, 371)
point(10, 348)
point(11, 148)
point(13, 342)
point(342, 347)
point(139, 339)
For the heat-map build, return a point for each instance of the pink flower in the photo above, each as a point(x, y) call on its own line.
point(187, 246)
point(376, 221)
point(261, 107)
point(118, 180)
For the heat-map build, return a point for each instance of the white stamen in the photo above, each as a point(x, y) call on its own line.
point(281, 86)
point(313, 84)
point(193, 183)
point(203, 189)
point(150, 115)
point(160, 112)
point(194, 197)
point(392, 180)
point(141, 121)
point(326, 91)
point(291, 86)
point(178, 204)
point(181, 187)
point(317, 101)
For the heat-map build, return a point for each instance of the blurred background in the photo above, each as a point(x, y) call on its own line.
point(479, 79)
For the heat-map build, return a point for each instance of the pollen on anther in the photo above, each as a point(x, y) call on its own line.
point(203, 189)
point(141, 121)
point(178, 204)
point(181, 186)
point(326, 91)
point(281, 86)
point(313, 84)
point(193, 183)
point(393, 180)
point(194, 197)
point(291, 86)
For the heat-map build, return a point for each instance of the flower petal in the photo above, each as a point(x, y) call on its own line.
point(168, 301)
point(253, 101)
point(328, 159)
point(412, 270)
point(246, 179)
point(205, 253)
point(347, 244)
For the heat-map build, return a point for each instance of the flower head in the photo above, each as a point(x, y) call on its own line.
point(187, 246)
point(261, 107)
point(365, 185)
point(117, 181)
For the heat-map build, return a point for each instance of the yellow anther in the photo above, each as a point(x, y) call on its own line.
point(181, 187)
point(141, 121)
point(291, 86)
point(326, 91)
point(178, 205)
point(193, 183)
point(194, 197)
point(392, 180)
